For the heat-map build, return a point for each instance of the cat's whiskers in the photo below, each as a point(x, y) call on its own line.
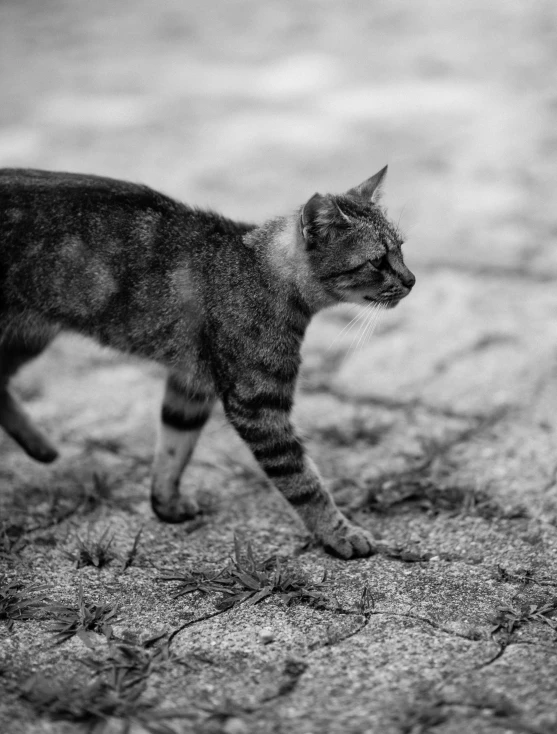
point(373, 322)
point(362, 325)
point(370, 325)
point(368, 321)
point(347, 328)
point(359, 325)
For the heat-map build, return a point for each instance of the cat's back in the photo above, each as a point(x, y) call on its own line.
point(111, 258)
point(56, 214)
point(72, 242)
point(29, 187)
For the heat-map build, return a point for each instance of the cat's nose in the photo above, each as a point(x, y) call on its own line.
point(409, 280)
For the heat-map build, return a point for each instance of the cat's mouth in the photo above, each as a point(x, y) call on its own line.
point(387, 302)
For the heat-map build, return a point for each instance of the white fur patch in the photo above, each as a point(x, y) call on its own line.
point(173, 451)
point(182, 284)
point(287, 252)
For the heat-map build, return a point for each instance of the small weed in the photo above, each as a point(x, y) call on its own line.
point(131, 661)
point(509, 619)
point(12, 538)
point(522, 576)
point(366, 603)
point(19, 602)
point(119, 682)
point(130, 556)
point(433, 499)
point(98, 700)
point(433, 709)
point(56, 506)
point(423, 716)
point(247, 579)
point(115, 696)
point(90, 552)
point(98, 493)
point(82, 620)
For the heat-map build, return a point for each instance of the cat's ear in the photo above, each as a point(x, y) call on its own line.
point(310, 211)
point(371, 189)
point(310, 216)
point(321, 215)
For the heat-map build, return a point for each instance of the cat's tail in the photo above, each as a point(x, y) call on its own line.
point(17, 424)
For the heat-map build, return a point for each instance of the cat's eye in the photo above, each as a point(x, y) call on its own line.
point(378, 262)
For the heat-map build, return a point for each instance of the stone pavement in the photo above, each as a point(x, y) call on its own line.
point(437, 433)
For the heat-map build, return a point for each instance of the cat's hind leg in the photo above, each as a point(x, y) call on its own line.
point(13, 418)
point(185, 410)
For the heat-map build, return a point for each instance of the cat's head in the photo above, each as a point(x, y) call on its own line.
point(354, 250)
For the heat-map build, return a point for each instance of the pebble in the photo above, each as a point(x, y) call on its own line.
point(234, 725)
point(266, 635)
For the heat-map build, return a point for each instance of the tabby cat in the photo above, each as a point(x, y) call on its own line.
point(222, 304)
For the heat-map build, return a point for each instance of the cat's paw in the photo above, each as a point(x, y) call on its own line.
point(42, 451)
point(347, 541)
point(178, 509)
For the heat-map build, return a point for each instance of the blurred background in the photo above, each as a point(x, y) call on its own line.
point(249, 106)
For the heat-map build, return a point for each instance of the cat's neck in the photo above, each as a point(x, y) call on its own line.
point(280, 246)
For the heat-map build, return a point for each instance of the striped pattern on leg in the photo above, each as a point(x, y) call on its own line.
point(184, 413)
point(313, 502)
point(262, 420)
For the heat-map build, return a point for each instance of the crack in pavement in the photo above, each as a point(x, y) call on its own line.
point(445, 630)
point(493, 659)
point(401, 615)
point(429, 715)
point(191, 622)
point(433, 450)
point(391, 403)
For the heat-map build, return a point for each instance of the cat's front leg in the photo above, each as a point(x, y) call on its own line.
point(313, 502)
point(262, 420)
point(185, 410)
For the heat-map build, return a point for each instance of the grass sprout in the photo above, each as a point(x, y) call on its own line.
point(246, 579)
point(93, 552)
point(434, 499)
point(82, 620)
point(131, 554)
point(116, 692)
point(522, 576)
point(12, 538)
point(19, 602)
point(509, 618)
point(117, 695)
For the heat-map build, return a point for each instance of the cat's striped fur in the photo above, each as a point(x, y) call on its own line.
point(223, 305)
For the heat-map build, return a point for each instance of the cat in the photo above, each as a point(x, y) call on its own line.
point(222, 304)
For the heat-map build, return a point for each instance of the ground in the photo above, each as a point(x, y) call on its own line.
point(437, 433)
